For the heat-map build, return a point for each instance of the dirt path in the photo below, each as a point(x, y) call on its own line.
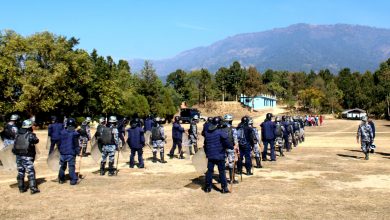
point(324, 178)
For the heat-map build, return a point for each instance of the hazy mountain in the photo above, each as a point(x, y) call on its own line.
point(299, 47)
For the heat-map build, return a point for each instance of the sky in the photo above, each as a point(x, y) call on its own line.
point(161, 29)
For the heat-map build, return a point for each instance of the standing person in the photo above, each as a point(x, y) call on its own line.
point(193, 134)
point(279, 135)
point(122, 129)
point(177, 137)
point(69, 147)
point(85, 135)
point(216, 144)
point(321, 119)
point(371, 123)
point(231, 132)
point(54, 132)
point(245, 142)
point(110, 142)
point(136, 141)
point(256, 145)
point(148, 129)
point(288, 131)
point(267, 129)
point(158, 140)
point(10, 130)
point(99, 131)
point(365, 134)
point(24, 149)
point(206, 124)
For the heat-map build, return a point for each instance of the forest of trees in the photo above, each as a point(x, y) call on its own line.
point(45, 74)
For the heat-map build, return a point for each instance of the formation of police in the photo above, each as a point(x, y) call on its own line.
point(223, 143)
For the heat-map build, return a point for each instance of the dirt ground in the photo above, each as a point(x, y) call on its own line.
point(323, 178)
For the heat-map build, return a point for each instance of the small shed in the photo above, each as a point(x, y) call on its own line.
point(355, 113)
point(259, 102)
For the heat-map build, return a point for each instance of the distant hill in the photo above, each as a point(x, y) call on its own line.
point(299, 47)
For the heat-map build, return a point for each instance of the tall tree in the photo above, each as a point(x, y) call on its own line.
point(252, 85)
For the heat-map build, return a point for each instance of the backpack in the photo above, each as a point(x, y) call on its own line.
point(296, 125)
point(278, 130)
point(106, 135)
point(22, 143)
point(241, 137)
point(156, 134)
point(83, 130)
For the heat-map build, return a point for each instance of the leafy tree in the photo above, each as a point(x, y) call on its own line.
point(333, 95)
point(150, 86)
point(222, 80)
point(252, 85)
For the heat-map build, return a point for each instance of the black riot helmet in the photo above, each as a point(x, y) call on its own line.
point(177, 118)
point(210, 119)
point(245, 120)
point(216, 121)
point(268, 116)
point(53, 118)
point(71, 122)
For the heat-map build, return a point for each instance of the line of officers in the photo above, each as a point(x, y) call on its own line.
point(222, 143)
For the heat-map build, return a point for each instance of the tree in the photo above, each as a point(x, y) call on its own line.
point(252, 85)
point(221, 80)
point(333, 95)
point(311, 98)
point(235, 79)
point(150, 86)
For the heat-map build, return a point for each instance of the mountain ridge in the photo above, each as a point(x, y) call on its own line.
point(298, 47)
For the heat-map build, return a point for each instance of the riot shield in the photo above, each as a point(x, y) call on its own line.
point(96, 151)
point(7, 158)
point(199, 161)
point(53, 160)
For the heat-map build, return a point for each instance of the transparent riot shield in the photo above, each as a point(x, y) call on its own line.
point(53, 160)
point(7, 158)
point(199, 161)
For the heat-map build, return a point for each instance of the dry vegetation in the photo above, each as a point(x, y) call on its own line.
point(324, 178)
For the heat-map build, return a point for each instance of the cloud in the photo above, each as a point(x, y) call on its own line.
point(192, 27)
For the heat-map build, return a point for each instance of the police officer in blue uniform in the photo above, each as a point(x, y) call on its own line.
point(69, 148)
point(268, 136)
point(136, 141)
point(286, 132)
point(216, 144)
point(54, 132)
point(24, 149)
point(246, 140)
point(177, 137)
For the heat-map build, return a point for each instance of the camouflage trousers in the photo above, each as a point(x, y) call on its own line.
point(366, 146)
point(25, 165)
point(158, 145)
point(193, 140)
point(108, 151)
point(230, 158)
point(256, 150)
point(7, 143)
point(83, 143)
point(279, 141)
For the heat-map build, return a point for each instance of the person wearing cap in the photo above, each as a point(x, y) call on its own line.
point(110, 142)
point(268, 136)
point(85, 135)
point(365, 134)
point(10, 130)
point(136, 142)
point(193, 134)
point(215, 148)
point(54, 132)
point(24, 149)
point(69, 148)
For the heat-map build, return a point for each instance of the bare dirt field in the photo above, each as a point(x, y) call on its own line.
point(323, 178)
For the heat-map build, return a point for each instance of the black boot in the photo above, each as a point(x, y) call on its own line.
point(162, 157)
point(225, 190)
point(258, 162)
point(248, 172)
point(21, 187)
point(232, 180)
point(191, 153)
point(154, 157)
point(111, 170)
point(281, 152)
point(102, 168)
point(84, 151)
point(33, 186)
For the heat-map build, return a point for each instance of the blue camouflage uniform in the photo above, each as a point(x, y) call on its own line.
point(286, 133)
point(159, 143)
point(366, 135)
point(25, 158)
point(109, 149)
point(177, 136)
point(279, 139)
point(193, 136)
point(233, 141)
point(136, 141)
point(256, 147)
point(9, 137)
point(54, 132)
point(216, 144)
point(268, 137)
point(69, 148)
